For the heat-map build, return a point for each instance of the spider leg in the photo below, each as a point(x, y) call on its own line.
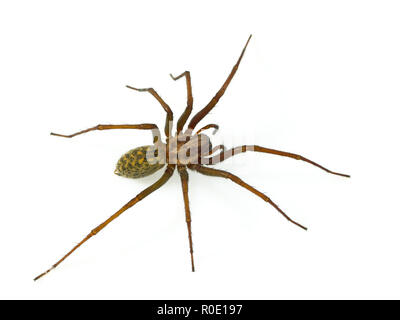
point(143, 126)
point(203, 160)
point(224, 174)
point(237, 150)
point(216, 148)
point(212, 125)
point(203, 112)
point(184, 180)
point(185, 115)
point(164, 178)
point(170, 115)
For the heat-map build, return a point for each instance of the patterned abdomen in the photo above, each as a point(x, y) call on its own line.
point(139, 162)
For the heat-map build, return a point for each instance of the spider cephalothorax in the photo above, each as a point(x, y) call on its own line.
point(185, 149)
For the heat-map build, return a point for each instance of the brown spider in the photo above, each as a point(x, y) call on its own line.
point(185, 149)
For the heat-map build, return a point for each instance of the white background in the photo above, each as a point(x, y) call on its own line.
point(319, 78)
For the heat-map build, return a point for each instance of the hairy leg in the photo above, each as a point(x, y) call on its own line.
point(203, 112)
point(170, 115)
point(241, 149)
point(203, 160)
point(220, 147)
point(143, 126)
point(164, 178)
point(224, 174)
point(185, 115)
point(184, 180)
point(212, 125)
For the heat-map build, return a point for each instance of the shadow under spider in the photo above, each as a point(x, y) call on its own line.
point(179, 153)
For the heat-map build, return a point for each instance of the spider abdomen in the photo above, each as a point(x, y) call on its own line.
point(138, 163)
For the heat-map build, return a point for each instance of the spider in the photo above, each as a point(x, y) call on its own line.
point(184, 150)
